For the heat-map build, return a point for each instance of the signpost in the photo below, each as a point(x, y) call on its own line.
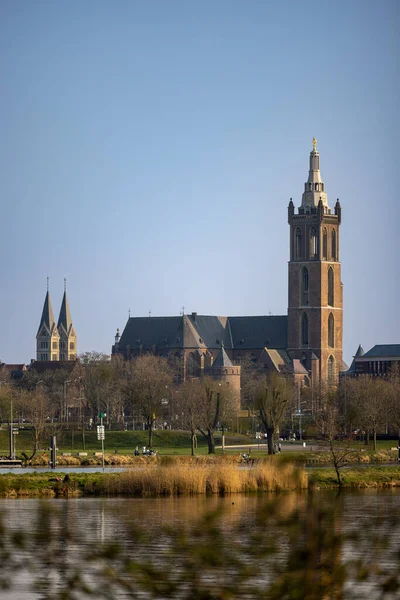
point(53, 451)
point(15, 432)
point(101, 435)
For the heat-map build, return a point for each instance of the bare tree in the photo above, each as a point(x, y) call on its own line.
point(99, 383)
point(272, 396)
point(215, 402)
point(36, 406)
point(189, 396)
point(394, 397)
point(152, 380)
point(369, 398)
point(330, 422)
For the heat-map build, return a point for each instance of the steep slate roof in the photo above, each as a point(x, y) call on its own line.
point(40, 366)
point(279, 358)
point(298, 368)
point(47, 318)
point(383, 350)
point(64, 320)
point(259, 332)
point(222, 359)
point(211, 330)
point(152, 331)
point(15, 371)
point(204, 331)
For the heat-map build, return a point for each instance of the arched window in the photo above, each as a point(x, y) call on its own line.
point(333, 250)
point(298, 243)
point(331, 297)
point(331, 331)
point(304, 330)
point(313, 243)
point(304, 286)
point(331, 370)
point(191, 365)
point(304, 360)
point(325, 244)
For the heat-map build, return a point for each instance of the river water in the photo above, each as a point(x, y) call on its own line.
point(63, 533)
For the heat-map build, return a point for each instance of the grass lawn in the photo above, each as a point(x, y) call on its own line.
point(371, 476)
point(164, 441)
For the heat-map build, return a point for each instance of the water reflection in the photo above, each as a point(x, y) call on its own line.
point(291, 545)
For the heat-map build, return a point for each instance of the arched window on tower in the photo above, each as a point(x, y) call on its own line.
point(325, 244)
point(304, 330)
point(331, 370)
point(331, 287)
point(304, 286)
point(334, 247)
point(331, 331)
point(313, 243)
point(298, 243)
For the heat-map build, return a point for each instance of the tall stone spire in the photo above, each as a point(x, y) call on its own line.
point(64, 319)
point(47, 322)
point(66, 330)
point(314, 188)
point(47, 337)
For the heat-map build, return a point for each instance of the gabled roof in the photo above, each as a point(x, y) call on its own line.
point(279, 358)
point(383, 350)
point(298, 368)
point(222, 359)
point(47, 318)
point(212, 330)
point(14, 371)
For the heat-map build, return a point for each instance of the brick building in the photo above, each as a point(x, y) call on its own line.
point(307, 342)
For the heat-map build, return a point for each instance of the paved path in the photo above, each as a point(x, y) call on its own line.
point(286, 447)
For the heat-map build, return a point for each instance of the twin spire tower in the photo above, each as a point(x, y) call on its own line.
point(56, 342)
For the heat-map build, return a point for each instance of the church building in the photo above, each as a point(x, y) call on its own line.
point(56, 342)
point(307, 342)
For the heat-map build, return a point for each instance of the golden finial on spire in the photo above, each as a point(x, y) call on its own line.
point(314, 143)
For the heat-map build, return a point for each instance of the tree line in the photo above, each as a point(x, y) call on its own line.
point(148, 390)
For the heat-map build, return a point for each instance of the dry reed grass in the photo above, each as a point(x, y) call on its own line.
point(195, 478)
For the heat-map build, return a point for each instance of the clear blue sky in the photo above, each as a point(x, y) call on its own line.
point(148, 152)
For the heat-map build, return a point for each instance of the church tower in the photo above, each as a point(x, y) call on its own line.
point(315, 312)
point(47, 337)
point(66, 330)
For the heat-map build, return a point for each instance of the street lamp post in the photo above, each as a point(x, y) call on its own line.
point(12, 456)
point(65, 400)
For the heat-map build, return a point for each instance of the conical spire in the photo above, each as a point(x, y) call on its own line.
point(360, 351)
point(314, 188)
point(222, 359)
point(64, 319)
point(47, 314)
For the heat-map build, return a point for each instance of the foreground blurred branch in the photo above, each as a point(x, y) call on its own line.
point(285, 550)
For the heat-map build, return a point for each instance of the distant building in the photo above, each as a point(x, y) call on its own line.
point(307, 342)
point(381, 360)
point(56, 342)
point(13, 371)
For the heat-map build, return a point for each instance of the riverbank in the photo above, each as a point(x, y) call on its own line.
point(181, 478)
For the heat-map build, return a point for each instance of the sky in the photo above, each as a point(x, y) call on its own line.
point(148, 152)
